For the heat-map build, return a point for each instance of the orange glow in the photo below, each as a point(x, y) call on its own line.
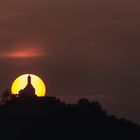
point(26, 49)
point(24, 53)
point(21, 82)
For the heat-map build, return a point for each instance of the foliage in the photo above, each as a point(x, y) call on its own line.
point(50, 118)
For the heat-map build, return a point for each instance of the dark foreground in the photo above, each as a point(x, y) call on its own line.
point(50, 119)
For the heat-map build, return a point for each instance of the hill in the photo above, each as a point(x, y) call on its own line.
point(50, 118)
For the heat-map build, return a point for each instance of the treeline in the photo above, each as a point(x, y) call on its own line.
point(50, 118)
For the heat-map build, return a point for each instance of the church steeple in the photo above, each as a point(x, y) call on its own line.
point(29, 90)
point(29, 80)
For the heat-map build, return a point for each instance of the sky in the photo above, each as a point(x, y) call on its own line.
point(79, 48)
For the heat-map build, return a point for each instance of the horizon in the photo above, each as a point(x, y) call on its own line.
point(68, 99)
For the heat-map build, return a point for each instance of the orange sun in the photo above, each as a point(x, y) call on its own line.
point(21, 82)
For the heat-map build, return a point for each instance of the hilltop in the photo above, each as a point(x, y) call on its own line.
point(50, 118)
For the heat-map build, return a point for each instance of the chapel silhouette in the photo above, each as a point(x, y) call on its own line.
point(28, 91)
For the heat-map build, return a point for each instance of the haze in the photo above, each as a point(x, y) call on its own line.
point(80, 49)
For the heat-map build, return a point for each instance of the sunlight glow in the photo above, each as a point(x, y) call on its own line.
point(30, 53)
point(21, 82)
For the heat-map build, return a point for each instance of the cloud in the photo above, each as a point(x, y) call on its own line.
point(24, 50)
point(30, 53)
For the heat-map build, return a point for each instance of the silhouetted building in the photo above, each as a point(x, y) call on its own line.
point(28, 91)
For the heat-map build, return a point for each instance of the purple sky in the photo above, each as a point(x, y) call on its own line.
point(80, 49)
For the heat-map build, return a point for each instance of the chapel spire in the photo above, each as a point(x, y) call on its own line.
point(29, 80)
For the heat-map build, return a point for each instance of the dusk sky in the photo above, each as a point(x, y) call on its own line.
point(79, 48)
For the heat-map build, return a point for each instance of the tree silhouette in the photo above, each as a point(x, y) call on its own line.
point(50, 118)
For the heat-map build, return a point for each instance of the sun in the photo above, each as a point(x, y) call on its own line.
point(21, 82)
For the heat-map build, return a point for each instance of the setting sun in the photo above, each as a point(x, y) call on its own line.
point(21, 82)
